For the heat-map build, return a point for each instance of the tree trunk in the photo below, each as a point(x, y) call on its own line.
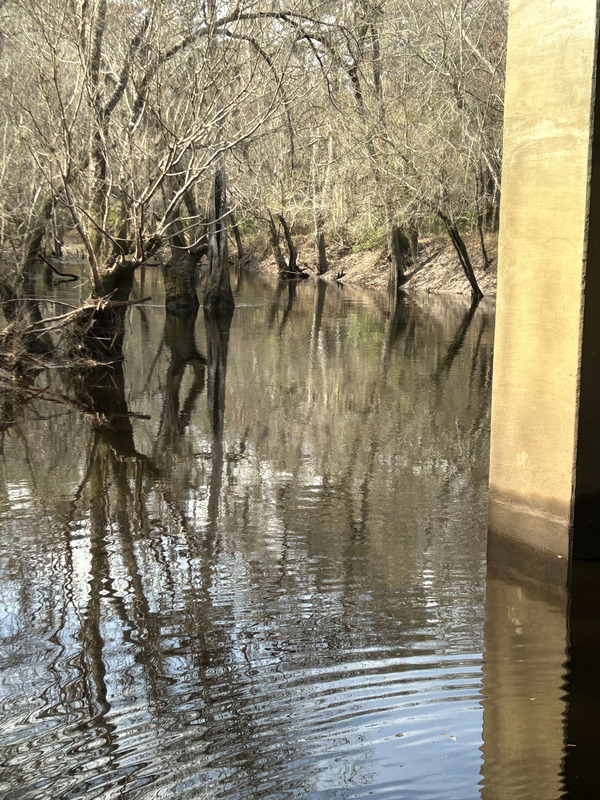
point(463, 255)
point(322, 265)
point(399, 254)
point(480, 213)
point(100, 337)
point(17, 290)
point(413, 241)
point(484, 253)
point(275, 247)
point(289, 268)
point(179, 276)
point(187, 245)
point(292, 267)
point(218, 294)
point(57, 238)
point(33, 244)
point(236, 235)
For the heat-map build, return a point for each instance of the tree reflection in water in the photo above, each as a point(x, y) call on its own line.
point(179, 337)
point(119, 488)
point(256, 590)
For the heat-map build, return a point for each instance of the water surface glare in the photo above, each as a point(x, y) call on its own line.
point(257, 567)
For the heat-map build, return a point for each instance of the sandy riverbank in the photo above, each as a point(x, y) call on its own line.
point(438, 269)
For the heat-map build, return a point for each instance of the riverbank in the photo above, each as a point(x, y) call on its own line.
point(438, 269)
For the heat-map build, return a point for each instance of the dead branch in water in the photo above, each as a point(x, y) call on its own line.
point(18, 340)
point(63, 320)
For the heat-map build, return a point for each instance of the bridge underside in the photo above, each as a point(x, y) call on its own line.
point(545, 447)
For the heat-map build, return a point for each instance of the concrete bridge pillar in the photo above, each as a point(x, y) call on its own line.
point(545, 446)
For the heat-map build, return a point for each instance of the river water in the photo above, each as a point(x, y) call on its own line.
point(255, 567)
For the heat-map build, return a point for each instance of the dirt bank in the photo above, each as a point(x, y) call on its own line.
point(438, 269)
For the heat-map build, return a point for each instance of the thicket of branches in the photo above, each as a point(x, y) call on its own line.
point(148, 127)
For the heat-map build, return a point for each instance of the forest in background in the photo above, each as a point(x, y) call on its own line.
point(164, 131)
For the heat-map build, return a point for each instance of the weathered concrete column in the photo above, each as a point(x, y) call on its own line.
point(545, 448)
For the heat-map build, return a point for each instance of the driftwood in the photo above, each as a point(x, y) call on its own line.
point(19, 341)
point(63, 320)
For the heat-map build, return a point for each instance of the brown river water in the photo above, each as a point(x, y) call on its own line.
point(257, 568)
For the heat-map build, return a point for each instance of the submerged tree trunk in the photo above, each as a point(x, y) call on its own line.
point(33, 243)
point(188, 243)
point(463, 255)
point(102, 337)
point(218, 294)
point(179, 274)
point(20, 307)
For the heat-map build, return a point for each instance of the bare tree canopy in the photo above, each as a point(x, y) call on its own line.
point(365, 120)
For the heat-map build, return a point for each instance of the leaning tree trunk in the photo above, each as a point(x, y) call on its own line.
point(289, 268)
point(462, 252)
point(218, 296)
